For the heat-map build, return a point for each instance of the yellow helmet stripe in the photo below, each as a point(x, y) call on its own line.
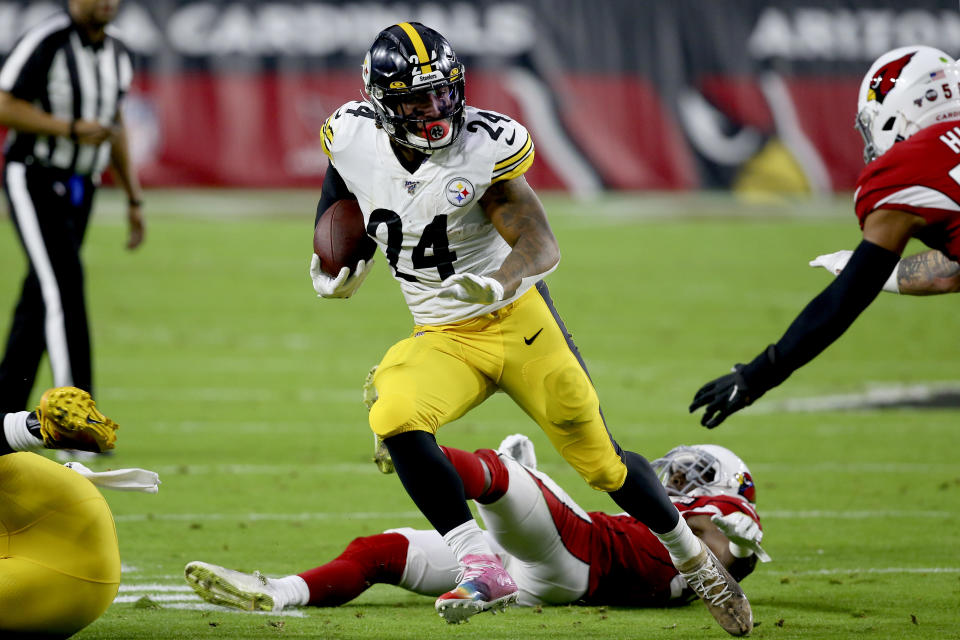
point(418, 46)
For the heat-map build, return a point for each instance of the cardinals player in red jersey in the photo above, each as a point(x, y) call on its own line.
point(556, 552)
point(909, 117)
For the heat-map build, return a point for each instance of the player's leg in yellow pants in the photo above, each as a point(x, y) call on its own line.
point(429, 379)
point(441, 372)
point(546, 377)
point(59, 559)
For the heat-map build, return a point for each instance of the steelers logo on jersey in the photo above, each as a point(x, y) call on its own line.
point(459, 192)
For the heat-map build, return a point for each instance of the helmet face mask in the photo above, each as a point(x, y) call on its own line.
point(905, 90)
point(415, 83)
point(704, 470)
point(425, 114)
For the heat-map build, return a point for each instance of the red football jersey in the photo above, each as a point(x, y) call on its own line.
point(920, 175)
point(630, 567)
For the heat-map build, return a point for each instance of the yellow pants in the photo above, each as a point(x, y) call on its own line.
point(59, 559)
point(441, 372)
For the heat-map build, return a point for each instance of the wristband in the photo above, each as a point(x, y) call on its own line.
point(892, 284)
point(17, 432)
point(135, 202)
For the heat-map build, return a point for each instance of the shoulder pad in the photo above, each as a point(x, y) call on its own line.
point(514, 150)
point(341, 125)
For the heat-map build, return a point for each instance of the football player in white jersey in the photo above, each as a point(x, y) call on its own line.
point(443, 194)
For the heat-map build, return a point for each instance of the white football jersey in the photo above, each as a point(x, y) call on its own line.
point(428, 223)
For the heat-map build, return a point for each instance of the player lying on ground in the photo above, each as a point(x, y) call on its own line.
point(60, 568)
point(441, 188)
point(555, 551)
point(909, 117)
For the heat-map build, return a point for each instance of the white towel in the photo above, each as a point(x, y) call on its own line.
point(120, 479)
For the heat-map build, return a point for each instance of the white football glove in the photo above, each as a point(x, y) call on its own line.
point(342, 286)
point(520, 448)
point(744, 534)
point(836, 262)
point(833, 262)
point(467, 287)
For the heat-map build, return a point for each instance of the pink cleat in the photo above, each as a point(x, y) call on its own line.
point(484, 586)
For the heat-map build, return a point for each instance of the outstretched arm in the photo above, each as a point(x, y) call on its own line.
point(928, 273)
point(922, 274)
point(825, 318)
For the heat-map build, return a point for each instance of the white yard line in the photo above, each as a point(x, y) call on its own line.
point(169, 596)
point(367, 468)
point(204, 606)
point(182, 596)
point(855, 467)
point(159, 597)
point(154, 587)
point(853, 515)
point(267, 469)
point(922, 570)
point(401, 515)
point(877, 396)
point(346, 515)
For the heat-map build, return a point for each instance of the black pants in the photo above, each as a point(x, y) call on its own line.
point(50, 209)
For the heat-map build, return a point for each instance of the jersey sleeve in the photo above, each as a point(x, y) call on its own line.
point(25, 69)
point(715, 506)
point(912, 177)
point(326, 137)
point(515, 150)
point(337, 130)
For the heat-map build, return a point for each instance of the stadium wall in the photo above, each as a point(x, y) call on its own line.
point(619, 94)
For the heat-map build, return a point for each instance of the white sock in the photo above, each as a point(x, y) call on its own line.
point(292, 590)
point(680, 542)
point(467, 539)
point(18, 436)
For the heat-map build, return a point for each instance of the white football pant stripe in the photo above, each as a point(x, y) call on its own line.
point(536, 558)
point(520, 529)
point(54, 326)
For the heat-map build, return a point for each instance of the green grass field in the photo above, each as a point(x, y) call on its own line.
point(242, 389)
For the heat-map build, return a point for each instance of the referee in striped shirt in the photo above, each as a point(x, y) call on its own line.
point(60, 92)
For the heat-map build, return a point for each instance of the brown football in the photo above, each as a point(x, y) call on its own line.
point(340, 238)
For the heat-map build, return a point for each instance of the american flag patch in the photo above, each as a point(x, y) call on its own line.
point(936, 75)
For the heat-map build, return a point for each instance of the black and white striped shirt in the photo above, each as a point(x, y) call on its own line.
point(55, 67)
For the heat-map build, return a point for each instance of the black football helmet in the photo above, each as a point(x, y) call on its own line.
point(414, 81)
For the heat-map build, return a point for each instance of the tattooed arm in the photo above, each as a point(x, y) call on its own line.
point(518, 215)
point(922, 274)
point(928, 273)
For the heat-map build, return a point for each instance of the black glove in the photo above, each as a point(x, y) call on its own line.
point(738, 389)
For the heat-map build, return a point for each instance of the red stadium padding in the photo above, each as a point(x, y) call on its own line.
point(261, 130)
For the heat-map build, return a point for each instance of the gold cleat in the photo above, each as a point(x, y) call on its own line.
point(381, 456)
point(69, 419)
point(721, 594)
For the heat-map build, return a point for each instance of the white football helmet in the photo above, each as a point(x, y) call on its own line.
point(905, 90)
point(705, 470)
